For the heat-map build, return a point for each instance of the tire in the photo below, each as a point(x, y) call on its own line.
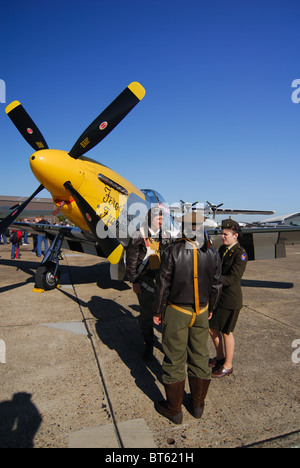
point(44, 278)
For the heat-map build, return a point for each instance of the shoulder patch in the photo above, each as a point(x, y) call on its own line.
point(244, 257)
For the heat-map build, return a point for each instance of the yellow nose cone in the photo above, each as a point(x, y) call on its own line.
point(53, 168)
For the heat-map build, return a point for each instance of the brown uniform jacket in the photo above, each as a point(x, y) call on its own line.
point(234, 263)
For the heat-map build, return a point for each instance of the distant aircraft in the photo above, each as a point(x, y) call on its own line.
point(210, 209)
point(213, 209)
point(102, 205)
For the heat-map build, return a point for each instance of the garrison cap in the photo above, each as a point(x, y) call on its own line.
point(229, 224)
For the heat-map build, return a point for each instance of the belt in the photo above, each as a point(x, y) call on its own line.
point(188, 312)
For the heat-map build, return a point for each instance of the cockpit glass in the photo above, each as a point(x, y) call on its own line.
point(153, 196)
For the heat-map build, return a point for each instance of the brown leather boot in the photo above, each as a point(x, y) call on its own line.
point(199, 389)
point(171, 408)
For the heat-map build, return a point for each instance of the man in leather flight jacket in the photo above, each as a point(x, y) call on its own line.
point(185, 323)
point(142, 274)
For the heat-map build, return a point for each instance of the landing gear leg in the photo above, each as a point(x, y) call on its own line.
point(47, 275)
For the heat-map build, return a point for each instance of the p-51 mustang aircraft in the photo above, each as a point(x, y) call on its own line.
point(105, 208)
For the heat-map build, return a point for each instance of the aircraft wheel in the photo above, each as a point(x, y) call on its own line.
point(44, 277)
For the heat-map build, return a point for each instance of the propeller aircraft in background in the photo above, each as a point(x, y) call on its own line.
point(105, 208)
point(210, 209)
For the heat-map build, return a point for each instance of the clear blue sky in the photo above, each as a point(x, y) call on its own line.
point(217, 122)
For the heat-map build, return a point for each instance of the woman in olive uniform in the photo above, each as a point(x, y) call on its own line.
point(234, 260)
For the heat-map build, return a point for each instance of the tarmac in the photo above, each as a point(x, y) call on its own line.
point(72, 373)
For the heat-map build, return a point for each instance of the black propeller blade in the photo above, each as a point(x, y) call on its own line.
point(109, 245)
point(108, 119)
point(95, 133)
point(4, 225)
point(26, 126)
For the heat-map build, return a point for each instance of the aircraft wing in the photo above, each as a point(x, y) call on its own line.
point(74, 238)
point(220, 211)
point(229, 211)
point(263, 243)
point(260, 243)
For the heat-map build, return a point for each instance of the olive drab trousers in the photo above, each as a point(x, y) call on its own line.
point(185, 346)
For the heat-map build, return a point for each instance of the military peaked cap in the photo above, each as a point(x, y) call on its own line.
point(229, 224)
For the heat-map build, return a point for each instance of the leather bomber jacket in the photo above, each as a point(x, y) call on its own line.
point(175, 280)
point(135, 254)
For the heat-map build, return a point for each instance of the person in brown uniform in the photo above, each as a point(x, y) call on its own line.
point(234, 261)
